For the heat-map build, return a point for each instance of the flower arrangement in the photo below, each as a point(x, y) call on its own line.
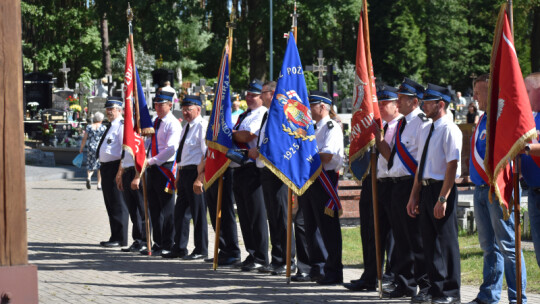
point(47, 129)
point(75, 108)
point(72, 100)
point(32, 105)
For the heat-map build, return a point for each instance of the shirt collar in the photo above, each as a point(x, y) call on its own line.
point(117, 120)
point(413, 114)
point(323, 121)
point(195, 121)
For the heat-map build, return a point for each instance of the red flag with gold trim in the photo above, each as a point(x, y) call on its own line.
point(510, 121)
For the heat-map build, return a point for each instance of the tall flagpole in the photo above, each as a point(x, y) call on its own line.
point(374, 194)
point(231, 25)
point(129, 14)
point(517, 197)
point(289, 194)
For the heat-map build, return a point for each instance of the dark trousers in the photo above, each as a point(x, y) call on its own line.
point(135, 204)
point(228, 235)
point(310, 251)
point(161, 206)
point(441, 245)
point(251, 212)
point(193, 205)
point(314, 217)
point(367, 228)
point(411, 265)
point(275, 199)
point(114, 203)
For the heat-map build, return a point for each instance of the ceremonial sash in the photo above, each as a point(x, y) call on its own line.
point(476, 159)
point(331, 189)
point(404, 155)
point(169, 174)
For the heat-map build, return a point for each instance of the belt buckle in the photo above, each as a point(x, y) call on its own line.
point(425, 182)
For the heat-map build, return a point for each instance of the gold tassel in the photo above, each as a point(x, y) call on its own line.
point(147, 131)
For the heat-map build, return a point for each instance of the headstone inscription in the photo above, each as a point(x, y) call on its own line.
point(60, 99)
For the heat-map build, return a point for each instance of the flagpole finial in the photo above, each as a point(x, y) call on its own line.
point(129, 13)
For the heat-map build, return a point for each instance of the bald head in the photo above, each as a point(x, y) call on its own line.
point(532, 83)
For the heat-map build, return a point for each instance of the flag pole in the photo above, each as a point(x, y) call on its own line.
point(517, 197)
point(374, 194)
point(375, 201)
point(129, 13)
point(289, 193)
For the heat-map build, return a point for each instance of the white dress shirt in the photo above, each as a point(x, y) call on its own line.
point(262, 133)
point(168, 139)
point(252, 123)
point(128, 160)
point(382, 163)
point(330, 140)
point(111, 148)
point(195, 143)
point(444, 146)
point(410, 139)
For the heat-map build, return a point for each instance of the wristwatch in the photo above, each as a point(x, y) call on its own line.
point(527, 149)
point(442, 199)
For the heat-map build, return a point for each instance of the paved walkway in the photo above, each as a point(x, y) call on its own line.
point(66, 222)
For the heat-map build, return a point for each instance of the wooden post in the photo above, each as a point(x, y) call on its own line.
point(18, 280)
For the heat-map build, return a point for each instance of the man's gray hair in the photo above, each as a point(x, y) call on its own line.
point(98, 117)
point(327, 106)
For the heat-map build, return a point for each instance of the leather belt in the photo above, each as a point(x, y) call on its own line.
point(188, 167)
point(430, 181)
point(483, 186)
point(396, 179)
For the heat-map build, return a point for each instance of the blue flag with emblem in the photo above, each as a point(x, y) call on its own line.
point(289, 148)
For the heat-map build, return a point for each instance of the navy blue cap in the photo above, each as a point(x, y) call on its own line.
point(255, 86)
point(387, 93)
point(435, 92)
point(113, 101)
point(319, 96)
point(164, 96)
point(411, 88)
point(191, 100)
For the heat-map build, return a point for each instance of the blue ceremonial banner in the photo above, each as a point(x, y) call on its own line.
point(144, 115)
point(219, 132)
point(289, 148)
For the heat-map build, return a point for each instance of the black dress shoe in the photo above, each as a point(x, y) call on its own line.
point(280, 270)
point(194, 256)
point(135, 247)
point(252, 266)
point(360, 285)
point(245, 262)
point(398, 293)
point(267, 269)
point(301, 277)
point(330, 280)
point(446, 300)
point(173, 254)
point(228, 261)
point(156, 251)
point(110, 244)
point(421, 298)
point(390, 287)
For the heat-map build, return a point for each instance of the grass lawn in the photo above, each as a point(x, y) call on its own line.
point(471, 259)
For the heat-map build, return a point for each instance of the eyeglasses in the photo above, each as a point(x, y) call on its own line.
point(269, 91)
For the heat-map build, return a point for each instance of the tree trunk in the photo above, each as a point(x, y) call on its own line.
point(106, 52)
point(535, 41)
point(257, 55)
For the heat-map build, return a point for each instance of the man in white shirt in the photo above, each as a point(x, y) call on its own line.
point(109, 153)
point(434, 197)
point(247, 186)
point(190, 205)
point(161, 177)
point(329, 137)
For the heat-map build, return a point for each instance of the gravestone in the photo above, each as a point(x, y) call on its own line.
point(38, 88)
point(60, 97)
point(65, 70)
point(54, 116)
point(159, 77)
point(96, 104)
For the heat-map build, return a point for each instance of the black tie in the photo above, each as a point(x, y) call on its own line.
point(265, 116)
point(101, 140)
point(182, 141)
point(157, 123)
point(393, 152)
point(424, 154)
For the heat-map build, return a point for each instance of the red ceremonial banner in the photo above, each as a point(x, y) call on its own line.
point(133, 143)
point(365, 106)
point(510, 121)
